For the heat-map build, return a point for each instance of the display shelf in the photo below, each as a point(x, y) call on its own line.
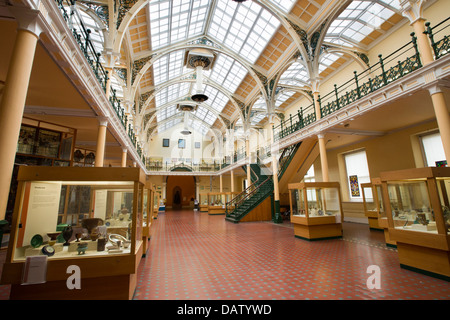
point(417, 208)
point(316, 210)
point(105, 243)
point(216, 203)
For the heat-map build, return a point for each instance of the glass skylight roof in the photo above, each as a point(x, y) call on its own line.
point(360, 19)
point(168, 67)
point(286, 5)
point(169, 124)
point(174, 20)
point(327, 60)
point(296, 75)
point(171, 93)
point(245, 28)
point(282, 97)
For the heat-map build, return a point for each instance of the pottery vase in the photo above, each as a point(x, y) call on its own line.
point(67, 235)
point(91, 223)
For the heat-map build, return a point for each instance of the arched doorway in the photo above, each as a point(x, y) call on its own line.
point(179, 192)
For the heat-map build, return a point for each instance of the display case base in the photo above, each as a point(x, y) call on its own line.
point(216, 210)
point(119, 287)
point(425, 260)
point(318, 232)
point(203, 208)
point(373, 224)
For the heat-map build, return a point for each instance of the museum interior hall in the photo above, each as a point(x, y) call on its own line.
point(224, 150)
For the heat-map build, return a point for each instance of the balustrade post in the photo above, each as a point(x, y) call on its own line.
point(416, 50)
point(358, 91)
point(429, 31)
point(337, 96)
point(380, 56)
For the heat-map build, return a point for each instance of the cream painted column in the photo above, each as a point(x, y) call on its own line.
point(124, 157)
point(15, 94)
point(101, 141)
point(247, 150)
point(315, 92)
point(232, 180)
point(164, 187)
point(413, 10)
point(323, 158)
point(276, 190)
point(442, 118)
point(220, 184)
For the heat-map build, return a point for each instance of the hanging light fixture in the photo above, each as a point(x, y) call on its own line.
point(200, 60)
point(186, 109)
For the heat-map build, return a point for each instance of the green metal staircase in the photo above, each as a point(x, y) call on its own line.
point(260, 189)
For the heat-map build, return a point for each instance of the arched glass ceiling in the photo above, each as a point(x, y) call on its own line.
point(244, 28)
point(360, 19)
point(295, 75)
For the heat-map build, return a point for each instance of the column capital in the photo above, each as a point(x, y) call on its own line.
point(27, 19)
point(124, 150)
point(103, 121)
point(320, 135)
point(412, 9)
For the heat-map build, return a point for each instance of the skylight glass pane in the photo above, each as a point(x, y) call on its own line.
point(360, 19)
point(175, 20)
point(228, 72)
point(216, 99)
point(245, 28)
point(286, 5)
point(294, 75)
point(281, 98)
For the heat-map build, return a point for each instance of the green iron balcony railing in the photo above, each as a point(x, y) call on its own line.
point(388, 69)
point(83, 38)
point(440, 47)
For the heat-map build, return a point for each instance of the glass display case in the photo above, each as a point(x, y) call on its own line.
point(203, 202)
point(417, 202)
point(216, 203)
point(316, 210)
point(103, 225)
point(370, 205)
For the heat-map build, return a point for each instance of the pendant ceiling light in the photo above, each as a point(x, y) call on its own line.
point(200, 60)
point(186, 109)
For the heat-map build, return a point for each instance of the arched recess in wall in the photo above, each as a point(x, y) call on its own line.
point(185, 186)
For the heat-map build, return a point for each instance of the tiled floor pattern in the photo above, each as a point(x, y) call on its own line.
point(200, 257)
point(195, 256)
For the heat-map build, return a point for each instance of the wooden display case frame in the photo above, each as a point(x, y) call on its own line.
point(148, 220)
point(316, 228)
point(423, 252)
point(109, 276)
point(372, 215)
point(382, 218)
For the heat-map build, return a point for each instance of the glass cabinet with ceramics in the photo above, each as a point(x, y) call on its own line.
point(53, 228)
point(417, 208)
point(316, 210)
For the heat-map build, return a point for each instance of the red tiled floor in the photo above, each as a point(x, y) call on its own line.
point(195, 256)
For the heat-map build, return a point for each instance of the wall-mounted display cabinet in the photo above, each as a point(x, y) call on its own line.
point(370, 206)
point(316, 210)
point(417, 208)
point(102, 233)
point(216, 203)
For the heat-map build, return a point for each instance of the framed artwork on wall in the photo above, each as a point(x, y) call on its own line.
point(197, 145)
point(166, 143)
point(181, 143)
